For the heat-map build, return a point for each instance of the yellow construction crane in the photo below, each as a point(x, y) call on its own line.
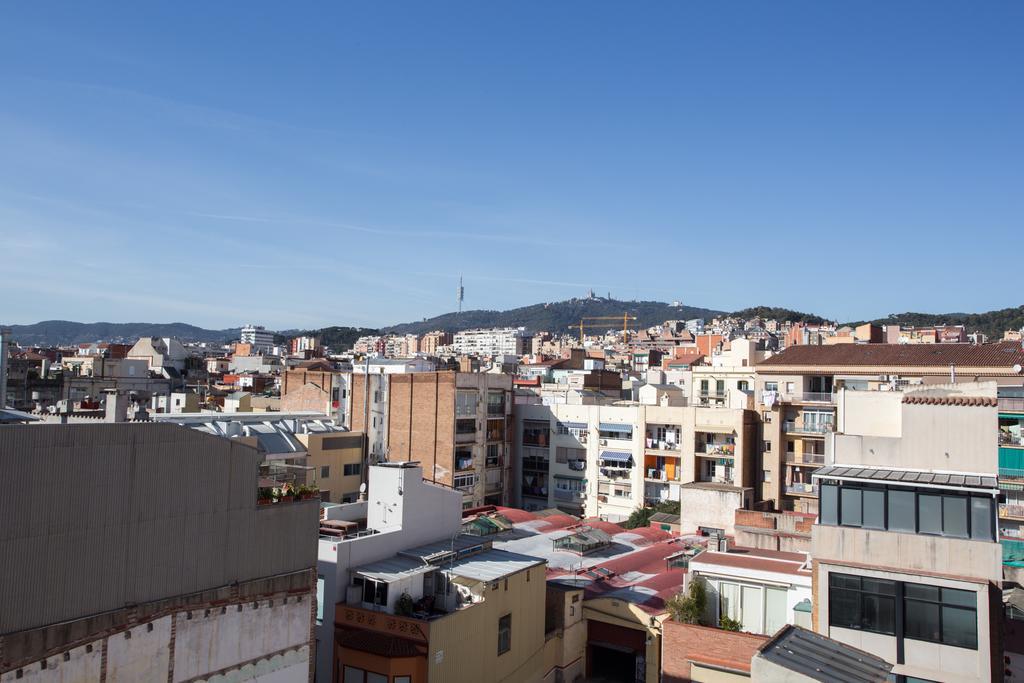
point(625, 318)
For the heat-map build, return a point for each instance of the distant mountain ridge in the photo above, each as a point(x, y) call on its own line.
point(992, 323)
point(557, 317)
point(61, 332)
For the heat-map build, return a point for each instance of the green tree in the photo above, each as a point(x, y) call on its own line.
point(641, 517)
point(689, 608)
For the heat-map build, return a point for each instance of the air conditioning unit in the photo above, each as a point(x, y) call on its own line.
point(604, 442)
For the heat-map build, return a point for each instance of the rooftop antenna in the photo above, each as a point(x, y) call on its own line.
point(460, 293)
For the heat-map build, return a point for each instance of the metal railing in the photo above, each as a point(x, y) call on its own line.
point(657, 445)
point(809, 397)
point(1007, 439)
point(805, 459)
point(1012, 405)
point(1011, 510)
point(577, 465)
point(809, 428)
point(571, 496)
point(803, 489)
point(1011, 473)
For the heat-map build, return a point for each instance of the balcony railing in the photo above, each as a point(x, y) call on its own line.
point(711, 395)
point(571, 496)
point(808, 427)
point(495, 409)
point(1011, 405)
point(1011, 473)
point(577, 465)
point(1007, 439)
point(535, 464)
point(658, 445)
point(717, 480)
point(659, 475)
point(1011, 511)
point(719, 449)
point(607, 473)
point(805, 459)
point(802, 489)
point(809, 397)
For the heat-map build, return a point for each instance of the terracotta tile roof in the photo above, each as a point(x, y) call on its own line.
point(779, 562)
point(998, 355)
point(951, 400)
point(705, 645)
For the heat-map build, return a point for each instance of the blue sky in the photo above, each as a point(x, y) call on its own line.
point(344, 163)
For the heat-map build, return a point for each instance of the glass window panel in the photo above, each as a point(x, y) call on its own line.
point(844, 608)
point(850, 509)
point(353, 675)
point(981, 518)
point(954, 516)
point(878, 613)
point(774, 609)
point(829, 498)
point(844, 581)
point(874, 509)
point(901, 510)
point(375, 678)
point(729, 595)
point(952, 596)
point(878, 586)
point(929, 513)
point(753, 608)
point(922, 621)
point(921, 592)
point(960, 627)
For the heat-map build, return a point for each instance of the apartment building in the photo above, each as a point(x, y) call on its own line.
point(401, 511)
point(797, 394)
point(907, 562)
point(507, 341)
point(315, 386)
point(138, 552)
point(609, 458)
point(259, 338)
point(431, 341)
point(457, 424)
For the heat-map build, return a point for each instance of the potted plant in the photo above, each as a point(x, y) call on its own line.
point(266, 497)
point(287, 493)
point(310, 492)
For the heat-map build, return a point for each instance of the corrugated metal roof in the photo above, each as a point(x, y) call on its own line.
point(822, 659)
point(492, 565)
point(429, 551)
point(394, 568)
point(907, 477)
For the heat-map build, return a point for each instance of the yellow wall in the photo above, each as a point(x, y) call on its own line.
point(464, 644)
point(629, 615)
point(565, 649)
point(349, 452)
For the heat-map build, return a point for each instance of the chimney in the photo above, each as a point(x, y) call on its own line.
point(116, 405)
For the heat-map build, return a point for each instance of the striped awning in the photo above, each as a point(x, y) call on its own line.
point(615, 427)
point(616, 456)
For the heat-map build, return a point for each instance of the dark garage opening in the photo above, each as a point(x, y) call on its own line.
point(609, 665)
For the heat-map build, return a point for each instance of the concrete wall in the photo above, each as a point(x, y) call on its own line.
point(464, 644)
point(133, 513)
point(708, 507)
point(948, 556)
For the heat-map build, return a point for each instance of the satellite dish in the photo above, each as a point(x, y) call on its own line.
point(1017, 368)
point(362, 488)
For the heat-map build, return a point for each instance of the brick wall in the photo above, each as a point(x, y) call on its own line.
point(682, 643)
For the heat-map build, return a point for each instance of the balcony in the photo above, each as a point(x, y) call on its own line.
point(570, 496)
point(1011, 474)
point(659, 475)
point(577, 465)
point(1012, 511)
point(1011, 405)
point(718, 450)
point(536, 491)
point(536, 464)
point(657, 445)
point(809, 397)
point(791, 426)
point(614, 473)
point(816, 459)
point(802, 490)
point(495, 409)
point(1008, 439)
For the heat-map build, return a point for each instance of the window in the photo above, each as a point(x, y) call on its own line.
point(465, 426)
point(465, 403)
point(463, 458)
point(767, 446)
point(320, 598)
point(829, 501)
point(354, 675)
point(774, 609)
point(353, 469)
point(504, 634)
point(850, 506)
point(402, 679)
point(981, 518)
point(862, 603)
point(901, 511)
point(325, 471)
point(374, 592)
point(873, 505)
point(950, 514)
point(495, 403)
point(929, 514)
point(493, 455)
point(771, 386)
point(941, 615)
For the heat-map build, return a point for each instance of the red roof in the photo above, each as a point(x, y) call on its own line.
point(998, 355)
point(778, 561)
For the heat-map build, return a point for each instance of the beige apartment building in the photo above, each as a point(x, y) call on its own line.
point(608, 459)
point(907, 563)
point(456, 424)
